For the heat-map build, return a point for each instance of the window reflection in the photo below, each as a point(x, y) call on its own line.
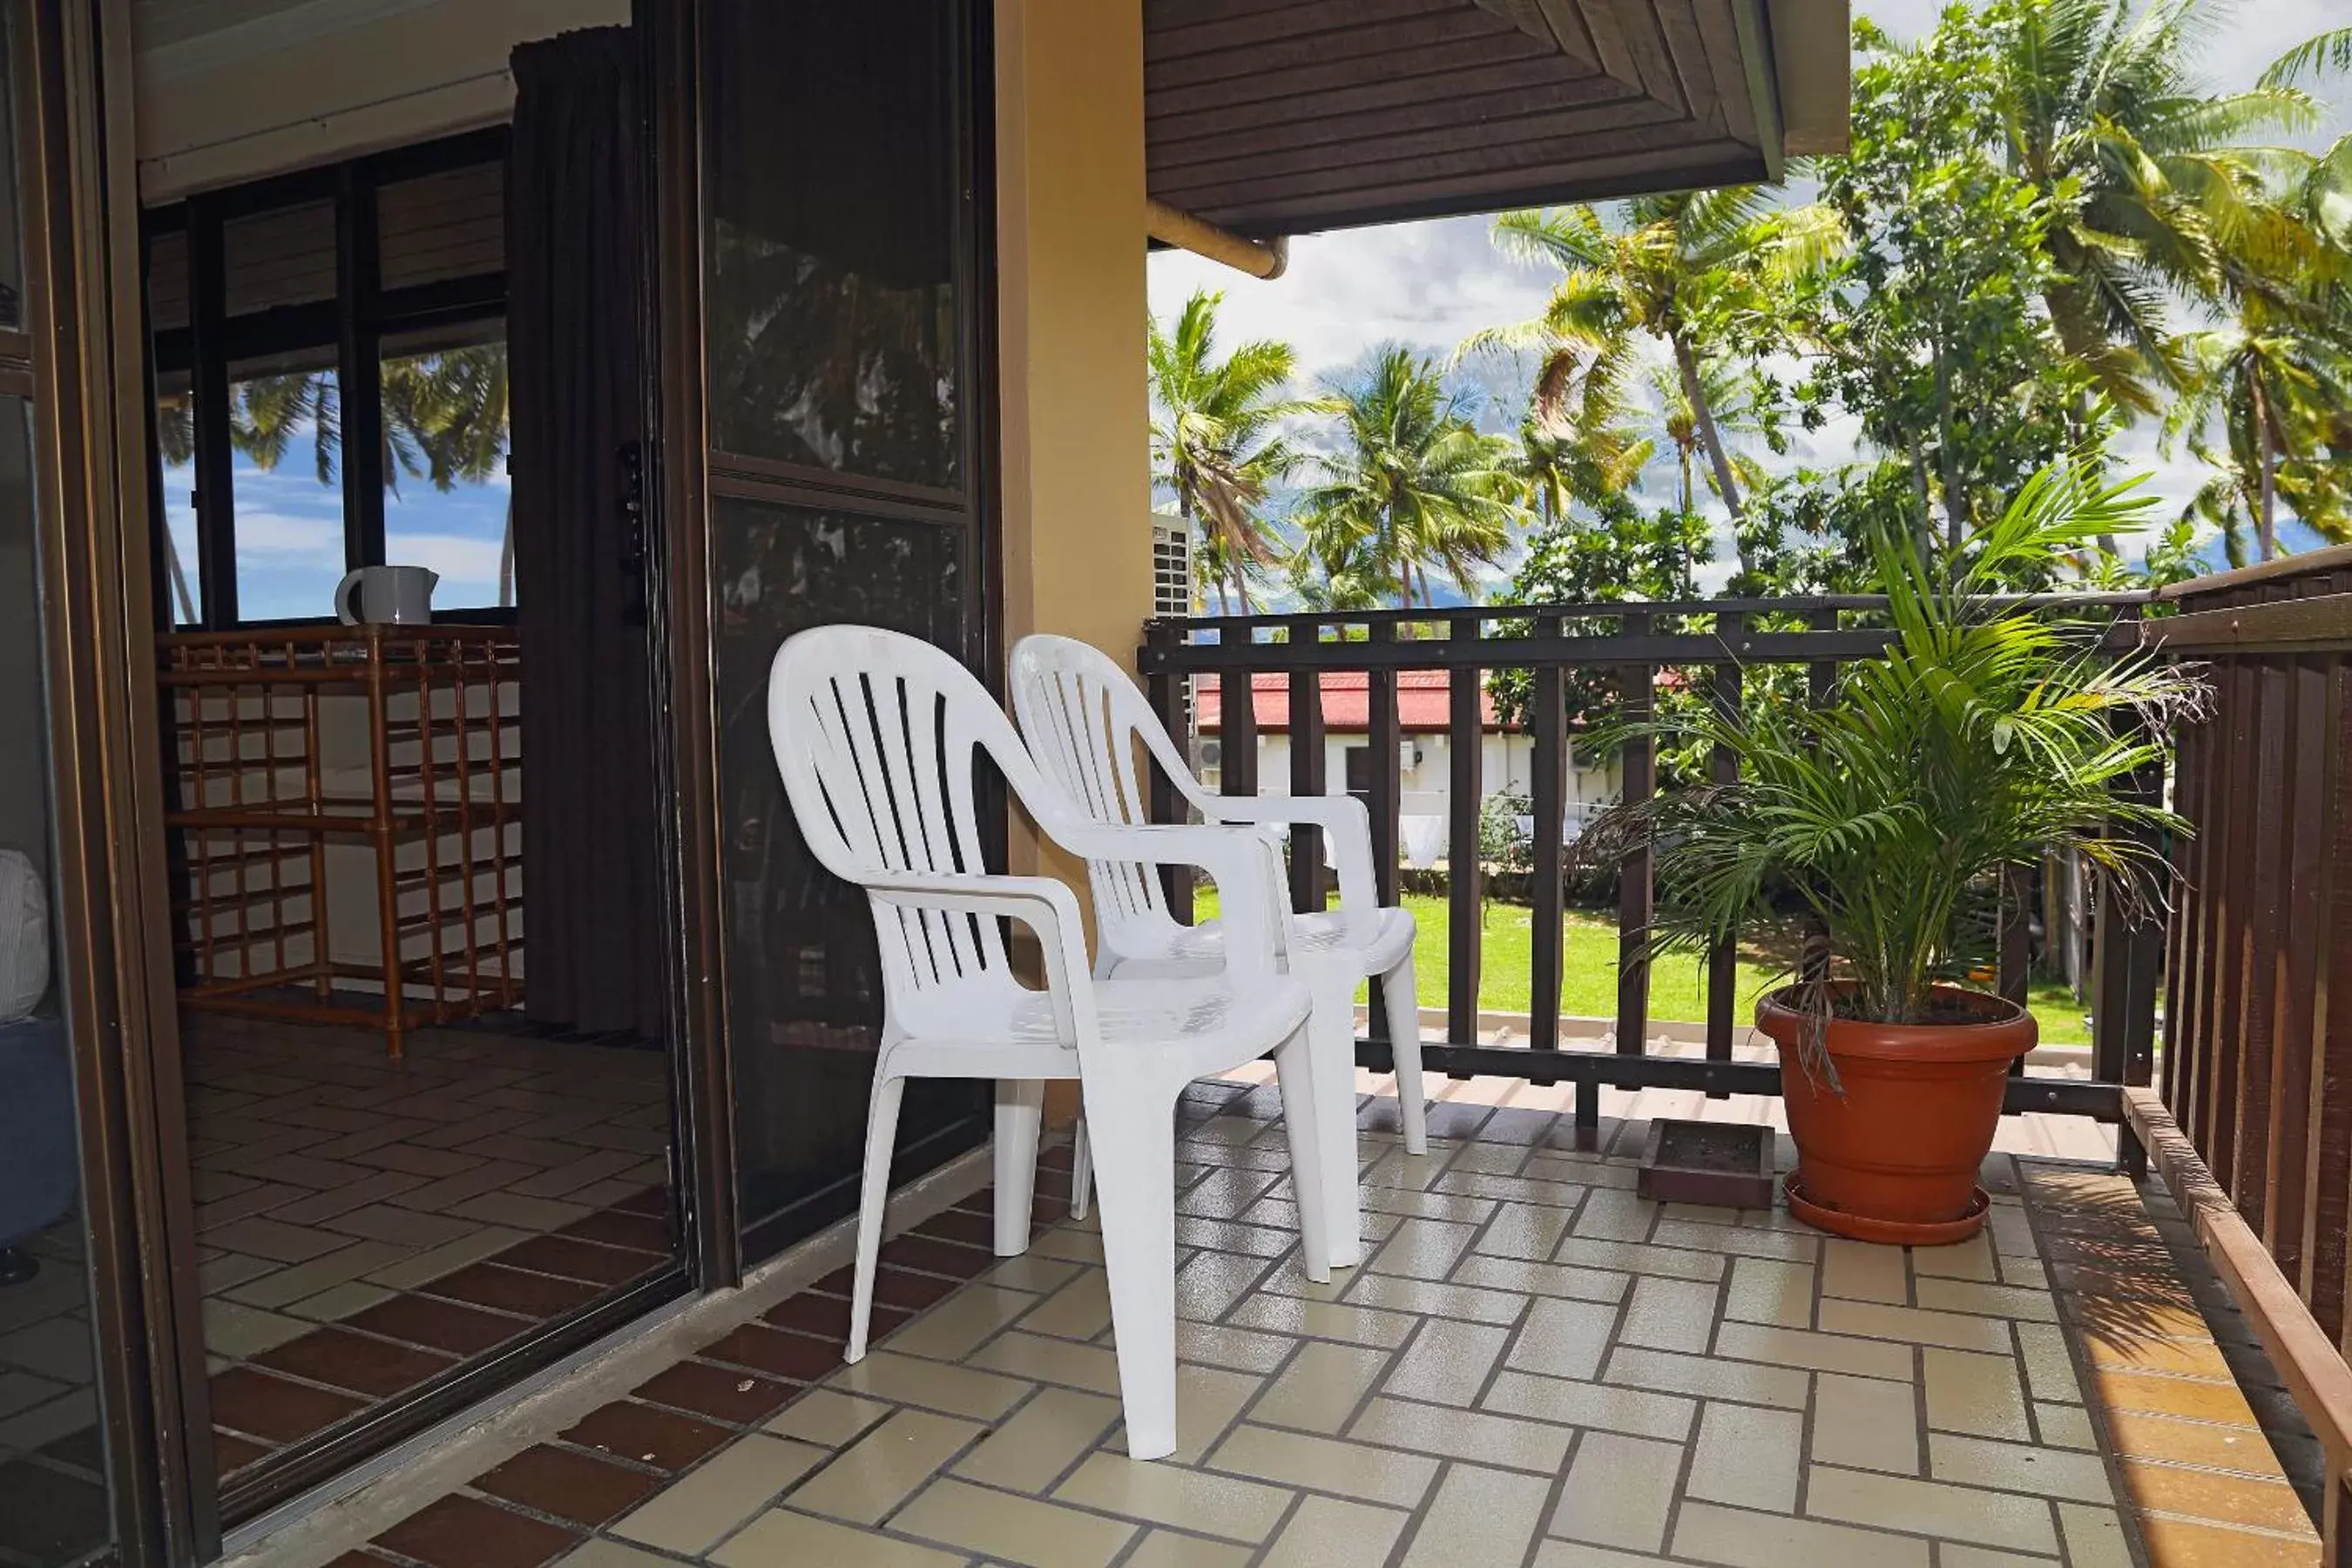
point(175, 440)
point(804, 983)
point(53, 1493)
point(835, 197)
point(286, 432)
point(447, 504)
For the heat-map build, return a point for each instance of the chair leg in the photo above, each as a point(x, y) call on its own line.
point(1331, 1032)
point(1135, 1158)
point(1082, 1171)
point(874, 1197)
point(1294, 1061)
point(1396, 991)
point(1020, 1116)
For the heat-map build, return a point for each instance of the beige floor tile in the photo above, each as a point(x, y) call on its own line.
point(1748, 1456)
point(1969, 1259)
point(1094, 1368)
point(2063, 1427)
point(1167, 1549)
point(1422, 1249)
point(1033, 1272)
point(710, 1501)
point(1859, 1271)
point(1011, 1529)
point(1564, 1339)
point(1988, 1301)
point(781, 1536)
point(613, 1554)
point(1931, 1507)
point(1769, 1290)
point(1066, 1245)
point(1395, 1293)
point(1045, 1438)
point(1949, 1554)
point(1480, 1517)
point(1448, 1362)
point(1526, 1231)
point(881, 1469)
point(1325, 1465)
point(2019, 1468)
point(1866, 1423)
point(337, 1302)
point(1510, 1275)
point(1554, 1553)
point(826, 1417)
point(1978, 1395)
point(1211, 1282)
point(1580, 1251)
point(1323, 1321)
point(1912, 1326)
point(303, 1280)
point(1814, 1351)
point(1328, 1533)
point(963, 1323)
point(1618, 1493)
point(2095, 1537)
point(1601, 1405)
point(1079, 1311)
point(232, 1330)
point(511, 1207)
point(1239, 1350)
point(1706, 1377)
point(910, 1379)
point(1208, 1401)
point(1475, 1436)
point(1743, 1241)
point(1737, 1539)
point(2049, 1368)
point(1669, 1315)
point(422, 1268)
point(1322, 1386)
point(1616, 1216)
point(1232, 1236)
point(1171, 1495)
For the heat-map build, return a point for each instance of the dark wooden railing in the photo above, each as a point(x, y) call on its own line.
point(2254, 1127)
point(1715, 645)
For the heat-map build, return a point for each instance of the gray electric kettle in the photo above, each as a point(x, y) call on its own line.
point(386, 596)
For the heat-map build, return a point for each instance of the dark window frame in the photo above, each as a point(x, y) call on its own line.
point(353, 324)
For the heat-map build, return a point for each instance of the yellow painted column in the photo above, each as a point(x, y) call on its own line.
point(1074, 412)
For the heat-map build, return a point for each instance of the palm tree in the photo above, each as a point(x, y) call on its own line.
point(1216, 439)
point(1413, 486)
point(1730, 398)
point(2104, 106)
point(2274, 392)
point(1682, 269)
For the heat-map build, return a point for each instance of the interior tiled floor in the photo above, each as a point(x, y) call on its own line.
point(1533, 1366)
point(363, 1225)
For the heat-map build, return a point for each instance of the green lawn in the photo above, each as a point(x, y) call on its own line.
point(1589, 977)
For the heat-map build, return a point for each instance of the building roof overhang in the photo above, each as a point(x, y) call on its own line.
point(1318, 115)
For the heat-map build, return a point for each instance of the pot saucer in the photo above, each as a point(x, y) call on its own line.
point(1891, 1232)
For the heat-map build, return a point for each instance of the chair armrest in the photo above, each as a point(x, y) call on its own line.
point(1346, 826)
point(1245, 865)
point(1044, 905)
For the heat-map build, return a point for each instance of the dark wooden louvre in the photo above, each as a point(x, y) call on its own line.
point(282, 256)
point(443, 225)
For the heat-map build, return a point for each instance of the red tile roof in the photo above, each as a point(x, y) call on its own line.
point(1422, 697)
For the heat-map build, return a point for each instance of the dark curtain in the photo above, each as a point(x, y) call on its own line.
point(575, 218)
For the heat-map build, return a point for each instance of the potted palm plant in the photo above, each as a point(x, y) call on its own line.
point(1983, 738)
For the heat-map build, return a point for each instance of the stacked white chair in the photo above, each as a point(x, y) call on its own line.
point(877, 736)
point(1085, 720)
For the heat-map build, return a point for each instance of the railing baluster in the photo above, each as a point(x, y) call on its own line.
point(1820, 685)
point(1465, 875)
point(2013, 968)
point(1381, 735)
point(1167, 693)
point(1637, 886)
point(1306, 777)
point(1723, 767)
point(1549, 800)
point(1237, 732)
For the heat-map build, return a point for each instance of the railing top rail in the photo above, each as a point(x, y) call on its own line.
point(1610, 610)
point(2310, 562)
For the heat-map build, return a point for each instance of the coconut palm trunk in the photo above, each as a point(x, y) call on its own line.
point(2266, 448)
point(1703, 415)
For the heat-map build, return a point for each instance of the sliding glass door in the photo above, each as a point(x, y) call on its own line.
point(845, 181)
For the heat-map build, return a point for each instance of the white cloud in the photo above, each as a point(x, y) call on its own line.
point(265, 532)
point(459, 560)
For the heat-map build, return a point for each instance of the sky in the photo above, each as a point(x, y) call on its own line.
point(1431, 284)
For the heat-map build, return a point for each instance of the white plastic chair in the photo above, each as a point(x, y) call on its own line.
point(877, 736)
point(1083, 719)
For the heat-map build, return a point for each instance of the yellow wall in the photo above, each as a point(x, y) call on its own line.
point(1072, 308)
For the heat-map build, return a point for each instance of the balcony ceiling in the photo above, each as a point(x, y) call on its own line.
point(1287, 118)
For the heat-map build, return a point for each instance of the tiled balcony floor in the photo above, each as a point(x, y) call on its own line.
point(1532, 1367)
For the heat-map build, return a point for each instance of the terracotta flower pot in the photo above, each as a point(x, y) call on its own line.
point(1894, 1158)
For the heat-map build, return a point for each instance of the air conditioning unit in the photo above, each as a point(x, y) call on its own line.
point(1172, 565)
